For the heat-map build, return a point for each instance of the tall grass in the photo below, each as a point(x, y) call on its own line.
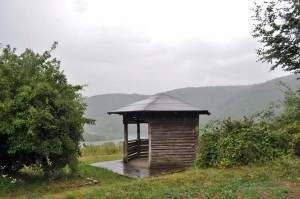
point(104, 149)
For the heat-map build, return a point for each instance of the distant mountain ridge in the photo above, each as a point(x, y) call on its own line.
point(221, 101)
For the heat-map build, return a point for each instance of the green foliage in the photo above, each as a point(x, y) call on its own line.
point(239, 142)
point(289, 121)
point(278, 29)
point(256, 139)
point(41, 114)
point(6, 182)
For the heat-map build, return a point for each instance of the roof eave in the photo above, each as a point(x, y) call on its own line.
point(201, 112)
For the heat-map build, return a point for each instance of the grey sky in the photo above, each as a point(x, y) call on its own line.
point(140, 46)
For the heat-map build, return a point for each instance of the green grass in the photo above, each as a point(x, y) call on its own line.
point(277, 179)
point(104, 149)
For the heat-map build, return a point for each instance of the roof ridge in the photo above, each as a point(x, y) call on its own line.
point(180, 100)
point(151, 103)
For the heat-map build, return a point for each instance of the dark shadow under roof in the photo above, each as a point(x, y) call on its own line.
point(159, 103)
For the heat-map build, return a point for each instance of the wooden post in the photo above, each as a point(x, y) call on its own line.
point(138, 139)
point(149, 141)
point(125, 145)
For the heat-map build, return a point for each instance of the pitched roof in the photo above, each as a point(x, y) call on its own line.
point(159, 103)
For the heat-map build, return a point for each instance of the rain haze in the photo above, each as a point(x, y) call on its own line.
point(140, 46)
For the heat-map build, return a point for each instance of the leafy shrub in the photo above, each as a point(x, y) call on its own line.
point(289, 121)
point(6, 182)
point(234, 143)
point(41, 114)
point(257, 139)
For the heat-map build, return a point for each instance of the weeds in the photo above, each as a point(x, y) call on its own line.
point(6, 182)
point(107, 149)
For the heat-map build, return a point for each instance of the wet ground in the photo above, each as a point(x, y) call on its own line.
point(137, 168)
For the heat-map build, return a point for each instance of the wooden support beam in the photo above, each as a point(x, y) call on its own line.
point(125, 145)
point(149, 143)
point(138, 139)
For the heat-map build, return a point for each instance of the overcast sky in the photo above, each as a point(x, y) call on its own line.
point(139, 46)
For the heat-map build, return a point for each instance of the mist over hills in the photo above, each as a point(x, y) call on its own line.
point(221, 101)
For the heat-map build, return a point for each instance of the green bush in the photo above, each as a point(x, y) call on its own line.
point(289, 121)
point(41, 114)
point(234, 143)
point(257, 139)
point(6, 182)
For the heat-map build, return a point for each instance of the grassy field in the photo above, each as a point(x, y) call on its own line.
point(277, 179)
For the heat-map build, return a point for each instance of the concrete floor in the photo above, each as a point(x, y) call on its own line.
point(140, 162)
point(137, 168)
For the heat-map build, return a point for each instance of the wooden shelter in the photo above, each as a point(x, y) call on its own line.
point(172, 139)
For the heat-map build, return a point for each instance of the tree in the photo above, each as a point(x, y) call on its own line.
point(41, 114)
point(278, 28)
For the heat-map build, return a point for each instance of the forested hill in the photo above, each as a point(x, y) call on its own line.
point(221, 101)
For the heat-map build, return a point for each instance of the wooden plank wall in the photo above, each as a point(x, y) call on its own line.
point(173, 140)
point(133, 146)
